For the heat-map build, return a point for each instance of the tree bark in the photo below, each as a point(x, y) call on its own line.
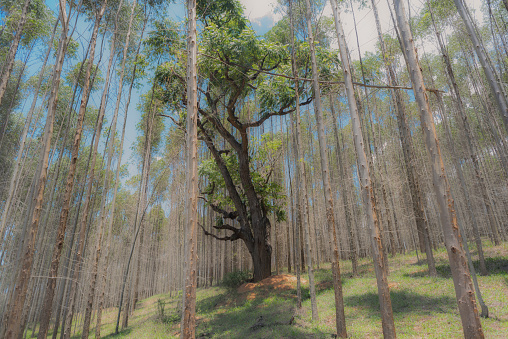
point(16, 170)
point(119, 163)
point(365, 182)
point(409, 156)
point(13, 316)
point(57, 251)
point(9, 60)
point(492, 78)
point(340, 319)
point(453, 242)
point(302, 197)
point(353, 252)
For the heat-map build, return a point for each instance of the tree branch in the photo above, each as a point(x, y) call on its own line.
point(281, 112)
point(232, 237)
point(321, 81)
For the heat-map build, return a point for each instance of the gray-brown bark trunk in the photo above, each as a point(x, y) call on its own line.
point(453, 242)
point(340, 319)
point(367, 194)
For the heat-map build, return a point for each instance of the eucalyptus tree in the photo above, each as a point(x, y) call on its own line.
point(367, 195)
point(340, 319)
point(8, 62)
point(493, 79)
point(188, 328)
point(302, 198)
point(469, 137)
point(110, 151)
point(408, 151)
point(235, 69)
point(13, 315)
point(147, 144)
point(461, 277)
point(98, 13)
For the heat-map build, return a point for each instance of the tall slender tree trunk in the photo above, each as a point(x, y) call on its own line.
point(353, 252)
point(302, 198)
point(492, 78)
point(117, 178)
point(409, 155)
point(100, 226)
point(365, 182)
point(188, 327)
point(140, 209)
point(340, 319)
point(453, 242)
point(13, 316)
point(46, 312)
point(9, 60)
point(16, 170)
point(470, 147)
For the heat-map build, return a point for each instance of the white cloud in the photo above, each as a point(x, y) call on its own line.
point(255, 9)
point(367, 32)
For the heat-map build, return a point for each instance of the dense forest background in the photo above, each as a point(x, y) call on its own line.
point(311, 150)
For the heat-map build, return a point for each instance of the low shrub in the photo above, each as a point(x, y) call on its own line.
point(236, 278)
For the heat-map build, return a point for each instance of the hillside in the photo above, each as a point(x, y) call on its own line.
point(423, 307)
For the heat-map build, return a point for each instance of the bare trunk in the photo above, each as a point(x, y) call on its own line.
point(57, 251)
point(353, 253)
point(367, 194)
point(493, 79)
point(16, 170)
point(117, 178)
point(453, 242)
point(409, 157)
point(9, 60)
point(339, 299)
point(302, 198)
point(13, 316)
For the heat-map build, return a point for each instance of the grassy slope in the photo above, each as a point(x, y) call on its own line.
point(423, 307)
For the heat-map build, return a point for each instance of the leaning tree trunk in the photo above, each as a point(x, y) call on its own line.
point(363, 169)
point(493, 78)
point(100, 226)
point(64, 214)
point(340, 319)
point(13, 316)
point(461, 277)
point(13, 185)
point(115, 117)
point(300, 177)
point(408, 154)
point(9, 60)
point(471, 149)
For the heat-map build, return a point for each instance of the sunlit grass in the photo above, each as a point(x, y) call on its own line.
point(424, 307)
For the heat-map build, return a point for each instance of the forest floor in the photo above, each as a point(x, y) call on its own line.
point(423, 307)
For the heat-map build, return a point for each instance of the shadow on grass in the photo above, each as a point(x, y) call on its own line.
point(495, 266)
point(262, 317)
point(120, 334)
point(209, 304)
point(404, 302)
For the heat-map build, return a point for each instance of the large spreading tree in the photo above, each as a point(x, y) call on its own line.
point(238, 90)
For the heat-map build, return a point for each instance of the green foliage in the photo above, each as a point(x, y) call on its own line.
point(264, 153)
point(163, 40)
point(171, 318)
point(235, 279)
point(443, 11)
point(72, 48)
point(77, 75)
point(38, 24)
point(226, 14)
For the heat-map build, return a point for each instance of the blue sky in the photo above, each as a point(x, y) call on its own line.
point(262, 15)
